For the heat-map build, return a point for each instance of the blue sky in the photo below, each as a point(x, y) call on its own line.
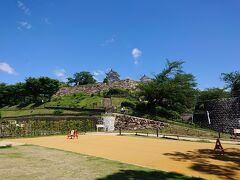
point(57, 38)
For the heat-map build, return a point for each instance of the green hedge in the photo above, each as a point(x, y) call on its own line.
point(41, 128)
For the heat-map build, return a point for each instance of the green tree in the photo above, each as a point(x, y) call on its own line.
point(105, 80)
point(232, 81)
point(212, 93)
point(33, 88)
point(3, 94)
point(48, 87)
point(171, 92)
point(18, 93)
point(82, 78)
point(63, 84)
point(41, 88)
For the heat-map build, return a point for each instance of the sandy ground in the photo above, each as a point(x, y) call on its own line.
point(6, 143)
point(189, 158)
point(235, 141)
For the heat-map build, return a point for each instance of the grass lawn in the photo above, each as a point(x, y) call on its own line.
point(35, 162)
point(78, 101)
point(84, 101)
point(185, 130)
point(116, 101)
point(16, 113)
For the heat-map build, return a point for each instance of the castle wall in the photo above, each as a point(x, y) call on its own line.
point(224, 115)
point(99, 87)
point(126, 122)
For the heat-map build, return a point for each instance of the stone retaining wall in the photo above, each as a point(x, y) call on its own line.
point(224, 115)
point(99, 87)
point(126, 122)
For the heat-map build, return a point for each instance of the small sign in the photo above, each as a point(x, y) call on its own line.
point(236, 131)
point(218, 147)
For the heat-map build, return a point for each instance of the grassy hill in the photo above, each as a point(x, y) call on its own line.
point(76, 100)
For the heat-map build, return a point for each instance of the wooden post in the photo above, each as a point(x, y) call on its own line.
point(219, 131)
point(120, 131)
point(1, 129)
point(157, 132)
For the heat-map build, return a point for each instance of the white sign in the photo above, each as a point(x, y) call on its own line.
point(209, 121)
point(236, 131)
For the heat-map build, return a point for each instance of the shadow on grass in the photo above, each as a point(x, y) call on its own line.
point(23, 105)
point(6, 147)
point(145, 175)
point(202, 161)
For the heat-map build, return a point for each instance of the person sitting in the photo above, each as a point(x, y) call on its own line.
point(76, 134)
point(69, 135)
point(72, 134)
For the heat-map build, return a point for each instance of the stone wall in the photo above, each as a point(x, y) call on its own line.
point(224, 115)
point(99, 87)
point(126, 122)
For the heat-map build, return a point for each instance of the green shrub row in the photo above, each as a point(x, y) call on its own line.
point(42, 128)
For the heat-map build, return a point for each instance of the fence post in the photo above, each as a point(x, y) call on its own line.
point(120, 131)
point(1, 129)
point(157, 132)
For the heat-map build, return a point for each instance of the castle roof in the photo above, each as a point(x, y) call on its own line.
point(145, 78)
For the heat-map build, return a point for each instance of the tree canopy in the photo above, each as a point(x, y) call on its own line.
point(42, 87)
point(33, 90)
point(212, 93)
point(171, 91)
point(232, 81)
point(82, 78)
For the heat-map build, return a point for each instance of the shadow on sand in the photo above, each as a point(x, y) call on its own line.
point(201, 161)
point(146, 175)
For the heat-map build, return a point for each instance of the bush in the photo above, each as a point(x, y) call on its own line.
point(78, 95)
point(42, 127)
point(116, 92)
point(58, 112)
point(144, 108)
point(128, 104)
point(167, 113)
point(56, 99)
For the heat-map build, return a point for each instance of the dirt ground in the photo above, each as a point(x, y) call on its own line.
point(189, 158)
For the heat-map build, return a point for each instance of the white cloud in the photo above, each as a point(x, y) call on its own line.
point(98, 73)
point(60, 73)
point(109, 41)
point(108, 69)
point(24, 25)
point(5, 67)
point(46, 21)
point(23, 7)
point(136, 54)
